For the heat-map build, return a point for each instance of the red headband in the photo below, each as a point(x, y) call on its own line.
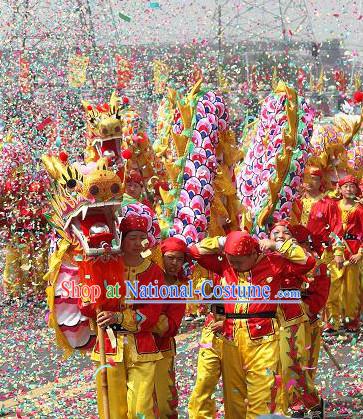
point(283, 223)
point(173, 244)
point(240, 243)
point(349, 179)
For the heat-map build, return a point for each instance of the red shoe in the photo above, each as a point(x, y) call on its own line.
point(352, 326)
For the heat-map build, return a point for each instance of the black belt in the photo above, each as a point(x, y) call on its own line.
point(118, 328)
point(350, 237)
point(290, 289)
point(262, 315)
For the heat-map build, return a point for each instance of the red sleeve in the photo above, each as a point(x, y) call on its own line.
point(147, 315)
point(334, 218)
point(298, 208)
point(175, 314)
point(87, 310)
point(212, 262)
point(318, 291)
point(280, 265)
point(298, 269)
point(324, 218)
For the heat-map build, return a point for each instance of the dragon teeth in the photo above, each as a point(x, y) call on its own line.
point(84, 212)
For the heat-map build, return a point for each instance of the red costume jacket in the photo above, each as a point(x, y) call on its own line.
point(267, 271)
point(175, 314)
point(316, 295)
point(228, 323)
point(291, 311)
point(143, 316)
point(322, 219)
point(349, 226)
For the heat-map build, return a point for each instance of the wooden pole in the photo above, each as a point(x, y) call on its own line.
point(331, 356)
point(103, 372)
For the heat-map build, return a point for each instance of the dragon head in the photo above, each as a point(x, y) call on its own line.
point(330, 144)
point(116, 132)
point(85, 200)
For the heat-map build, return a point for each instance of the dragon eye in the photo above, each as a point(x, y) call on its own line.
point(71, 183)
point(93, 190)
point(115, 188)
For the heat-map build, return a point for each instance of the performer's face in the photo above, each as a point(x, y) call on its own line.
point(133, 189)
point(280, 234)
point(134, 242)
point(313, 185)
point(173, 262)
point(242, 263)
point(349, 190)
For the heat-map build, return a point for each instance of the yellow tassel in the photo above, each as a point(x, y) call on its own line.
point(166, 197)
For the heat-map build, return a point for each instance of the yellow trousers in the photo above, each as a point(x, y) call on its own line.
point(344, 295)
point(15, 274)
point(297, 389)
point(24, 269)
point(165, 388)
point(201, 404)
point(313, 344)
point(350, 293)
point(130, 389)
point(258, 383)
point(233, 376)
point(217, 356)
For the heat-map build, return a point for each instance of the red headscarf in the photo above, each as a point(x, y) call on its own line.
point(316, 172)
point(283, 223)
point(134, 176)
point(349, 179)
point(173, 244)
point(240, 243)
point(133, 222)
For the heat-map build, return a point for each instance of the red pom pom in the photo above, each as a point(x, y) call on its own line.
point(89, 108)
point(106, 107)
point(99, 108)
point(125, 100)
point(63, 156)
point(127, 154)
point(358, 97)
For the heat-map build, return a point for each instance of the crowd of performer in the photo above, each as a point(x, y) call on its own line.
point(265, 350)
point(267, 354)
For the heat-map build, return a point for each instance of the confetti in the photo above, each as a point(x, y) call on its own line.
point(124, 17)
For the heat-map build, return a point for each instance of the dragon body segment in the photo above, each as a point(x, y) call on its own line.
point(195, 146)
point(269, 177)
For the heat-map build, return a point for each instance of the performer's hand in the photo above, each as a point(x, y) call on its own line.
point(217, 326)
point(339, 261)
point(355, 258)
point(267, 244)
point(106, 318)
point(161, 326)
